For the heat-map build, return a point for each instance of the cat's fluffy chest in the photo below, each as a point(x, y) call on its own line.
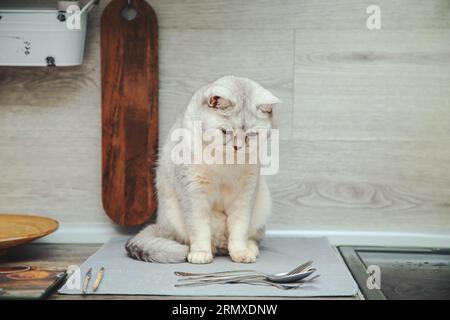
point(227, 183)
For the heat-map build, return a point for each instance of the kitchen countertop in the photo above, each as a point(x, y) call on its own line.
point(60, 256)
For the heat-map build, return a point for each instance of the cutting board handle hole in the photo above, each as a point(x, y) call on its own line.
point(129, 13)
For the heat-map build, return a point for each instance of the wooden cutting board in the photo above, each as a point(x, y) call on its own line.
point(129, 74)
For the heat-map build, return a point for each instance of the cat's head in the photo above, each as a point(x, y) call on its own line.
point(235, 106)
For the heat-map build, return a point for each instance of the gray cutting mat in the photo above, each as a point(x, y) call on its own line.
point(126, 276)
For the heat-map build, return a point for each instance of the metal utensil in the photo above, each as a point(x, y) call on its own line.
point(276, 278)
point(286, 280)
point(283, 286)
point(193, 275)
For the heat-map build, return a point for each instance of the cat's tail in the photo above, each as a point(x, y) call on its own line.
point(151, 245)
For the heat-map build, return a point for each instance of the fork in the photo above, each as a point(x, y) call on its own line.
point(283, 286)
point(194, 275)
point(277, 278)
point(281, 279)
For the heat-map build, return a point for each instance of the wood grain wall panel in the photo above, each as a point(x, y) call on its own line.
point(359, 184)
point(192, 58)
point(289, 14)
point(52, 172)
point(422, 165)
point(50, 118)
point(305, 14)
point(364, 119)
point(372, 85)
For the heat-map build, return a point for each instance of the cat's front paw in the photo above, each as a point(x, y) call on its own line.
point(200, 257)
point(253, 247)
point(243, 256)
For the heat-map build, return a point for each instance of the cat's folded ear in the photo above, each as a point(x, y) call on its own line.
point(217, 98)
point(218, 102)
point(266, 101)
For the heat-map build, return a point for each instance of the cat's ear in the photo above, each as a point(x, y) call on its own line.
point(265, 108)
point(217, 97)
point(219, 102)
point(266, 101)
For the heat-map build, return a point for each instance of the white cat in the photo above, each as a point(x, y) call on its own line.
point(203, 209)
